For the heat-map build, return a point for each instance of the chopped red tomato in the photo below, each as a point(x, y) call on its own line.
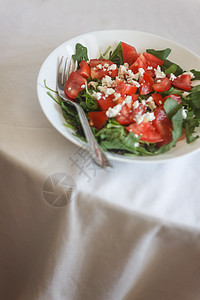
point(129, 53)
point(177, 98)
point(97, 119)
point(158, 99)
point(141, 62)
point(162, 84)
point(146, 84)
point(147, 132)
point(102, 67)
point(152, 60)
point(182, 82)
point(128, 112)
point(163, 125)
point(106, 102)
point(124, 88)
point(74, 85)
point(84, 69)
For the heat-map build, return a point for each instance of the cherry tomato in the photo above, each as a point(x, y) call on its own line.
point(102, 67)
point(129, 53)
point(163, 125)
point(162, 85)
point(147, 132)
point(97, 119)
point(182, 82)
point(146, 84)
point(84, 69)
point(106, 102)
point(74, 85)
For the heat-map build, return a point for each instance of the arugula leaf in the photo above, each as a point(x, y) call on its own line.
point(161, 54)
point(196, 74)
point(171, 107)
point(80, 53)
point(117, 55)
point(168, 66)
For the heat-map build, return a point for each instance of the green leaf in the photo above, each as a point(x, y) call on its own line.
point(117, 55)
point(193, 99)
point(161, 54)
point(168, 64)
point(196, 74)
point(171, 107)
point(172, 69)
point(80, 53)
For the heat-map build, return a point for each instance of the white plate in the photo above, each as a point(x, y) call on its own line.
point(97, 42)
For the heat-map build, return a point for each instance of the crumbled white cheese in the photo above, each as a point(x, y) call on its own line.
point(172, 77)
point(139, 118)
point(100, 66)
point(149, 116)
point(136, 104)
point(93, 84)
point(112, 67)
point(184, 113)
point(136, 144)
point(106, 65)
point(83, 86)
point(150, 102)
point(97, 95)
point(128, 99)
point(113, 112)
point(159, 73)
point(116, 95)
point(107, 81)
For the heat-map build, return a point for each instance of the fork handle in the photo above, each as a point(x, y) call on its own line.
point(93, 147)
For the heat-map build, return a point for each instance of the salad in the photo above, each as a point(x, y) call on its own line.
point(137, 103)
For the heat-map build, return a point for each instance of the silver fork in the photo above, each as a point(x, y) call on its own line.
point(92, 147)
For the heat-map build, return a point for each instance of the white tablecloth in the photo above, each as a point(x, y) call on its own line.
point(131, 232)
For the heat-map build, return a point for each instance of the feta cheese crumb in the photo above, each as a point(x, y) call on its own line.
point(172, 77)
point(139, 118)
point(159, 73)
point(136, 104)
point(107, 81)
point(136, 144)
point(149, 116)
point(97, 95)
point(83, 86)
point(113, 112)
point(184, 113)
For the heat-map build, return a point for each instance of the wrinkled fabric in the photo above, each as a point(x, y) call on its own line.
point(130, 232)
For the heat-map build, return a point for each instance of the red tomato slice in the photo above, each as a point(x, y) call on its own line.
point(182, 82)
point(141, 62)
point(128, 113)
point(129, 53)
point(146, 84)
point(74, 85)
point(97, 119)
point(162, 84)
point(124, 88)
point(158, 99)
point(102, 67)
point(84, 69)
point(147, 132)
point(163, 125)
point(106, 102)
point(95, 62)
point(177, 98)
point(152, 60)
